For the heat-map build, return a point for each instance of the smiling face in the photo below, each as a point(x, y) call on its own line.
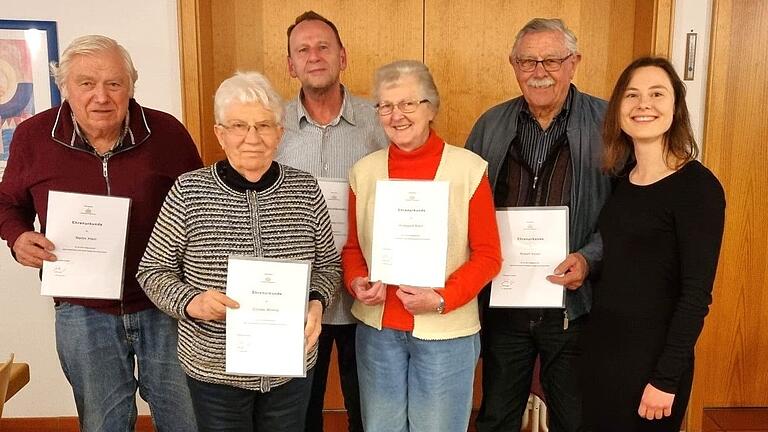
point(648, 105)
point(408, 131)
point(316, 57)
point(98, 88)
point(252, 154)
point(544, 91)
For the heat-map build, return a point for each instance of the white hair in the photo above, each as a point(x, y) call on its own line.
point(392, 73)
point(538, 25)
point(91, 45)
point(247, 87)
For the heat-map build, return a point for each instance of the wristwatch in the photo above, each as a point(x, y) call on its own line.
point(441, 306)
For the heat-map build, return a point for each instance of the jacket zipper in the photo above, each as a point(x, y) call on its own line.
point(105, 171)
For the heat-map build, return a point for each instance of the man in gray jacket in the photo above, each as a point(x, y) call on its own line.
point(543, 149)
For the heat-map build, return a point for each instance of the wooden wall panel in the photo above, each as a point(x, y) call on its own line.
point(467, 46)
point(731, 369)
point(653, 27)
point(251, 35)
point(373, 33)
point(465, 43)
point(196, 79)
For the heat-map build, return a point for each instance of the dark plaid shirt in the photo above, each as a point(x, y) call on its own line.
point(537, 170)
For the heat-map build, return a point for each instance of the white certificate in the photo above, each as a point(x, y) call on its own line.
point(88, 232)
point(410, 233)
point(336, 193)
point(534, 240)
point(265, 335)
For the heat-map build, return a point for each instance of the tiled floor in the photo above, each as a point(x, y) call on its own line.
point(735, 420)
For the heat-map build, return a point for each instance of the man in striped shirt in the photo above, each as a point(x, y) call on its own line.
point(543, 149)
point(326, 131)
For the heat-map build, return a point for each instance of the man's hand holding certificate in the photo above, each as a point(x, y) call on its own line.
point(534, 242)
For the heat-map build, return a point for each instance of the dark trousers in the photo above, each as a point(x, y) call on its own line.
point(220, 408)
point(511, 340)
point(344, 335)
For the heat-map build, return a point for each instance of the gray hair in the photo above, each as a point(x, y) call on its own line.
point(91, 45)
point(538, 25)
point(393, 72)
point(247, 87)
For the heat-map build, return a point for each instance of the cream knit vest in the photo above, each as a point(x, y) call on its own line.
point(463, 170)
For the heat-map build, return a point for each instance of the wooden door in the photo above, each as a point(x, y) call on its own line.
point(731, 365)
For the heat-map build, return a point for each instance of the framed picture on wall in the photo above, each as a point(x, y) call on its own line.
point(26, 85)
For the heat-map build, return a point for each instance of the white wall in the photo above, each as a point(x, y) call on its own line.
point(693, 16)
point(148, 30)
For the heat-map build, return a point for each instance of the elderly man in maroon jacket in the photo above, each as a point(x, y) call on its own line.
point(100, 141)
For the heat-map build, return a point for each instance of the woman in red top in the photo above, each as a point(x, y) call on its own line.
point(417, 346)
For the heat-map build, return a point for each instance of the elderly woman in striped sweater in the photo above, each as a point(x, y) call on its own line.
point(246, 204)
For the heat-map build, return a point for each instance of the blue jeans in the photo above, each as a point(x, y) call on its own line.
point(511, 340)
point(98, 352)
point(223, 408)
point(409, 384)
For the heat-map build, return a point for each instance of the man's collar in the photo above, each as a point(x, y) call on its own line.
point(65, 128)
point(347, 112)
point(125, 139)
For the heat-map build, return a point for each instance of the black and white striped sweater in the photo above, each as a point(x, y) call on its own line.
point(203, 221)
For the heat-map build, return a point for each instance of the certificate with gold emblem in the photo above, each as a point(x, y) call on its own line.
point(88, 232)
point(534, 241)
point(410, 232)
point(265, 335)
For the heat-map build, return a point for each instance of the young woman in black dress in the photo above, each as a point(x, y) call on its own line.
point(661, 232)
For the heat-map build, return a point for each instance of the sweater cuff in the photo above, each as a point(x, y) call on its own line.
point(665, 385)
point(314, 295)
point(13, 233)
point(185, 301)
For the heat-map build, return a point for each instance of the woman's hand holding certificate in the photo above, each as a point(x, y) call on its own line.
point(210, 305)
point(419, 300)
point(367, 293)
point(314, 325)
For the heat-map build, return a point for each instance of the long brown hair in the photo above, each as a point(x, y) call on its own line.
point(678, 140)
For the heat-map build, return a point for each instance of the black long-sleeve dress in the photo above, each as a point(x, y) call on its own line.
point(661, 244)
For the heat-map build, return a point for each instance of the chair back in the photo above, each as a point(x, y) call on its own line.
point(5, 377)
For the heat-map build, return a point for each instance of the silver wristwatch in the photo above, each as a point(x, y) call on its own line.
point(441, 306)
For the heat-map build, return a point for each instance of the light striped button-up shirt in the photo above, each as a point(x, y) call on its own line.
point(329, 151)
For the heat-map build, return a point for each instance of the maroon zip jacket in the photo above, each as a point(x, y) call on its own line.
point(47, 154)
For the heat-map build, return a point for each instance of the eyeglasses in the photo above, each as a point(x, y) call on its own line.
point(241, 129)
point(550, 65)
point(405, 107)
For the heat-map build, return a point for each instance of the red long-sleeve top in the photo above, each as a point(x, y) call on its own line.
point(485, 255)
